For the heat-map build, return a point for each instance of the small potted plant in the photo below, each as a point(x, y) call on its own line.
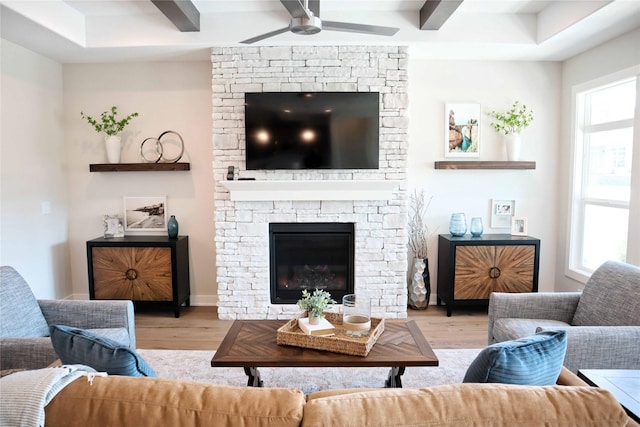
point(511, 123)
point(112, 127)
point(315, 304)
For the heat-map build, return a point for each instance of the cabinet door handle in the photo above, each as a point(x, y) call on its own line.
point(494, 272)
point(131, 274)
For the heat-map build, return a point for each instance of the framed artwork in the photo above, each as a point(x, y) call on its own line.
point(501, 213)
point(113, 226)
point(145, 213)
point(462, 130)
point(518, 226)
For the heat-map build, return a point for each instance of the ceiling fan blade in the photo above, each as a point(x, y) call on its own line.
point(296, 8)
point(358, 28)
point(265, 36)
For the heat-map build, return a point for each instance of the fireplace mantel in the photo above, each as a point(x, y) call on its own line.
point(311, 190)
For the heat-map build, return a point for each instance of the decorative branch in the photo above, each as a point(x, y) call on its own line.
point(418, 230)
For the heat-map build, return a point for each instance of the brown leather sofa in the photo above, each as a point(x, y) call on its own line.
point(139, 402)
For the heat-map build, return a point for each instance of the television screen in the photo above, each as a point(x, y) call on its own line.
point(312, 130)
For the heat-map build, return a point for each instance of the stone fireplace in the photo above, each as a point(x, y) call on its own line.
point(373, 201)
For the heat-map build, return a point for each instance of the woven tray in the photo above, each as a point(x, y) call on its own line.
point(290, 334)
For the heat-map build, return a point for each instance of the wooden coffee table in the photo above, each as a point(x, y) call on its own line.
point(623, 383)
point(252, 343)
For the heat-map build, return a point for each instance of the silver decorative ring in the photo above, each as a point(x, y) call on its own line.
point(158, 150)
point(179, 156)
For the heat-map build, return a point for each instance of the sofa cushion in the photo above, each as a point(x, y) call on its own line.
point(462, 405)
point(141, 402)
point(507, 328)
point(79, 346)
point(533, 360)
point(611, 297)
point(20, 314)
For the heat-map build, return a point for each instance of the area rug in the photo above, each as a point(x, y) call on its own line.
point(195, 365)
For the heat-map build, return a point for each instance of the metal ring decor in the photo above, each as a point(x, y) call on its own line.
point(179, 156)
point(160, 149)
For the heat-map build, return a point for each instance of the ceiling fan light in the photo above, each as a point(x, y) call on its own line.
point(306, 26)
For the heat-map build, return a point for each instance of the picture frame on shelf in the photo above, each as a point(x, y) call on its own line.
point(462, 129)
point(113, 226)
point(146, 213)
point(501, 213)
point(518, 226)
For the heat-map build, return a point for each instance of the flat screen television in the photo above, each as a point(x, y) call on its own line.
point(312, 130)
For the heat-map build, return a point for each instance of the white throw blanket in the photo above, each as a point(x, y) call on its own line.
point(25, 394)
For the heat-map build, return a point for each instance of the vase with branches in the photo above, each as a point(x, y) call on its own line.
point(511, 123)
point(111, 126)
point(419, 286)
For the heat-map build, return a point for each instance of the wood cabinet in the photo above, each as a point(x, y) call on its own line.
point(470, 268)
point(140, 268)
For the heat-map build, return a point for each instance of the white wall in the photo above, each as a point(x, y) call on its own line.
point(168, 96)
point(495, 85)
point(615, 55)
point(32, 152)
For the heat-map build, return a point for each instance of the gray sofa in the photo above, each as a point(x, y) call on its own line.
point(602, 321)
point(25, 321)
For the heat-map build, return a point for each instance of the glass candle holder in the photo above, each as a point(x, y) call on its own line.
point(458, 224)
point(476, 227)
point(356, 315)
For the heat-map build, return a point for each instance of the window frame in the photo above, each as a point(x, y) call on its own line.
point(577, 202)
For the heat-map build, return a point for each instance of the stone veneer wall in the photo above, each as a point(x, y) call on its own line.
point(242, 226)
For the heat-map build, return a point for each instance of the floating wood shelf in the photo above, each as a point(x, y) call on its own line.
point(138, 167)
point(462, 164)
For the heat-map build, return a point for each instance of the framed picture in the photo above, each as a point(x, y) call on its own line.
point(145, 213)
point(519, 226)
point(462, 130)
point(501, 213)
point(113, 226)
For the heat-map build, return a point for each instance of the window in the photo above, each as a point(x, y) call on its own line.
point(600, 226)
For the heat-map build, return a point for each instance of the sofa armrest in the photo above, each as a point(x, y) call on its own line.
point(26, 353)
point(544, 305)
point(602, 347)
point(95, 314)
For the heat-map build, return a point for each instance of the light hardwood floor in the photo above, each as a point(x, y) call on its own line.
point(199, 328)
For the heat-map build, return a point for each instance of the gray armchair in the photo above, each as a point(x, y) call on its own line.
point(602, 322)
point(25, 321)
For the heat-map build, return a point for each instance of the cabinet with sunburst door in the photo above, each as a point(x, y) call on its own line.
point(141, 269)
point(471, 268)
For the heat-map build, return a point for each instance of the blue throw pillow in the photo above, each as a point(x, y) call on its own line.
point(533, 360)
point(80, 347)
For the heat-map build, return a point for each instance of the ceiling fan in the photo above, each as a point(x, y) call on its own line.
point(305, 20)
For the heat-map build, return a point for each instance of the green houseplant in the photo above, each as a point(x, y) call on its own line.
point(511, 123)
point(315, 304)
point(109, 124)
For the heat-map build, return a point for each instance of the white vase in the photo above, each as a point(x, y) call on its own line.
point(314, 320)
point(112, 144)
point(512, 144)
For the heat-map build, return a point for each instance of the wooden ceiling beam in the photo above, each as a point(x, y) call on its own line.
point(182, 13)
point(434, 13)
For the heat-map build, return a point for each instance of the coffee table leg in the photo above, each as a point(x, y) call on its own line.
point(394, 381)
point(254, 377)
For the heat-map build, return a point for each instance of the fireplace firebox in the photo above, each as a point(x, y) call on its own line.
point(310, 256)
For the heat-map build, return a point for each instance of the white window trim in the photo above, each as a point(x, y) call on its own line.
point(633, 249)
